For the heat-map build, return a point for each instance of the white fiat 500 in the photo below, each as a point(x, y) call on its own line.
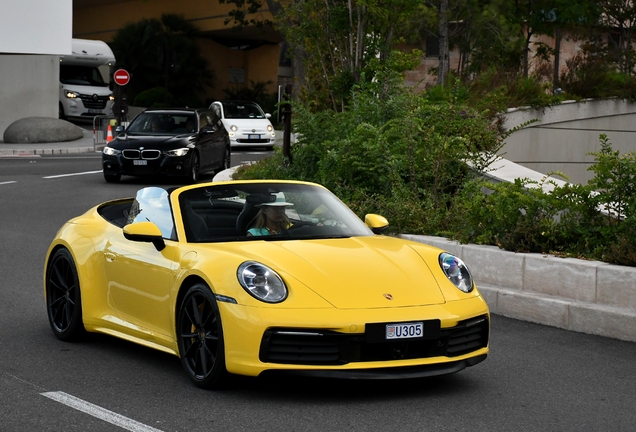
point(246, 123)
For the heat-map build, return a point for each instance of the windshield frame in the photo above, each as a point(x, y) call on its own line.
point(228, 210)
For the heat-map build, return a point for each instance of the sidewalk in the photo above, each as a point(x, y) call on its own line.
point(85, 144)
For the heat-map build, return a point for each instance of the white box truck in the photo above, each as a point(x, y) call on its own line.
point(84, 80)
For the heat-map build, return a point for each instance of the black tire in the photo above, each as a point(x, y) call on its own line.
point(112, 178)
point(195, 168)
point(227, 160)
point(200, 338)
point(61, 112)
point(63, 297)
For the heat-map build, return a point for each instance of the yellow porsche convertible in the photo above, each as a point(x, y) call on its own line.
point(198, 272)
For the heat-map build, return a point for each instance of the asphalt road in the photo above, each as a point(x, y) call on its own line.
point(536, 378)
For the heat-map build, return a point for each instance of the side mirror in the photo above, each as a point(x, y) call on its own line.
point(145, 232)
point(268, 115)
point(119, 129)
point(376, 222)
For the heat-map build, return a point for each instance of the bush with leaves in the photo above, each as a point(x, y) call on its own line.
point(405, 157)
point(594, 221)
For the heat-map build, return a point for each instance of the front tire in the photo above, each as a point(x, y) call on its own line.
point(195, 168)
point(227, 159)
point(112, 178)
point(63, 297)
point(200, 337)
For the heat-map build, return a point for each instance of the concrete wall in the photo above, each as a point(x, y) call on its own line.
point(30, 85)
point(584, 296)
point(564, 135)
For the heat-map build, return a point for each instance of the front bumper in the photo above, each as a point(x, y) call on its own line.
point(164, 165)
point(272, 340)
point(266, 140)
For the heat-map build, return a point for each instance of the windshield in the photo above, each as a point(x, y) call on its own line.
point(163, 123)
point(81, 75)
point(236, 213)
point(242, 110)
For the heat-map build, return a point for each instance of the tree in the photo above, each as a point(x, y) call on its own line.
point(618, 18)
point(162, 53)
point(336, 40)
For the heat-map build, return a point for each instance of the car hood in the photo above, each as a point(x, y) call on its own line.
point(353, 273)
point(88, 89)
point(125, 140)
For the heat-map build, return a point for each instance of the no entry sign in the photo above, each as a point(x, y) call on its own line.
point(121, 77)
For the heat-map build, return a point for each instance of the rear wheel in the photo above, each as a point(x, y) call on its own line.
point(63, 297)
point(200, 337)
point(112, 177)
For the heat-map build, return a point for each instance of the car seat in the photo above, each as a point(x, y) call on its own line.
point(196, 228)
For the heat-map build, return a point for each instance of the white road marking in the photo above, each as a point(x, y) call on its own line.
point(74, 174)
point(8, 182)
point(99, 412)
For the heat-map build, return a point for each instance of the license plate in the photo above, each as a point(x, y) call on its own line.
point(404, 330)
point(95, 111)
point(140, 162)
point(250, 136)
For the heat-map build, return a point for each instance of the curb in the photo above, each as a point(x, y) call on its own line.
point(49, 151)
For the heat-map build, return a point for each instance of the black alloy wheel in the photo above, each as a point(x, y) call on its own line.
point(112, 178)
point(195, 168)
point(200, 337)
point(63, 297)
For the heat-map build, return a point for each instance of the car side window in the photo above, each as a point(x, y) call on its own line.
point(203, 120)
point(152, 205)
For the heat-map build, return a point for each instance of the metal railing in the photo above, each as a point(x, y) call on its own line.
point(101, 133)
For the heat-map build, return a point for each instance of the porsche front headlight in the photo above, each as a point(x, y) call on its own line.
point(456, 271)
point(262, 282)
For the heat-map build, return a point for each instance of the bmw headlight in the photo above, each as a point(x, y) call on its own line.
point(262, 282)
point(110, 151)
point(177, 152)
point(456, 271)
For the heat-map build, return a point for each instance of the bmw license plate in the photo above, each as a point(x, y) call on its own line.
point(404, 330)
point(250, 136)
point(140, 162)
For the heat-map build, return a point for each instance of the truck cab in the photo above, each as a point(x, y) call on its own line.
point(84, 80)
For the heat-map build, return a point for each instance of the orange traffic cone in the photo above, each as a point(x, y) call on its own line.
point(109, 136)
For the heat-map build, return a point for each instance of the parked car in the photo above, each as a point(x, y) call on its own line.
point(175, 142)
point(327, 296)
point(246, 123)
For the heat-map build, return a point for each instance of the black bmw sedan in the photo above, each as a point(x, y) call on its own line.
point(175, 142)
